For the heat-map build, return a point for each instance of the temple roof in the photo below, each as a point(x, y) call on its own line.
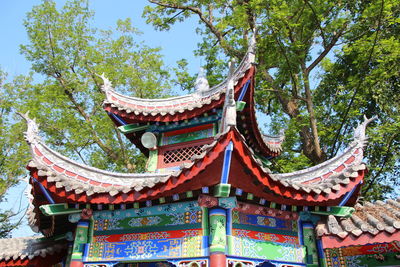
point(168, 109)
point(337, 170)
point(274, 143)
point(371, 218)
point(72, 175)
point(371, 222)
point(29, 248)
point(322, 183)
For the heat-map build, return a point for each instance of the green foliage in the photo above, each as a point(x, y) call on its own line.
point(64, 94)
point(69, 53)
point(321, 66)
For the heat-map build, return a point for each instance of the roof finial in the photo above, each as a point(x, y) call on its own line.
point(201, 83)
point(229, 110)
point(32, 132)
point(252, 42)
point(359, 132)
point(107, 86)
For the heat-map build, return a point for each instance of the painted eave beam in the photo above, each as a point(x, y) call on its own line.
point(337, 211)
point(131, 128)
point(58, 209)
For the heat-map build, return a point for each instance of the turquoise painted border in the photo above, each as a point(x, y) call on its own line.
point(154, 210)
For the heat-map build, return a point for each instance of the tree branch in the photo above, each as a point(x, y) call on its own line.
point(327, 49)
point(386, 158)
point(318, 22)
point(219, 35)
point(109, 151)
point(363, 71)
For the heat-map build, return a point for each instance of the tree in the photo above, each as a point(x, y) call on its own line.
point(11, 154)
point(321, 66)
point(69, 54)
point(63, 91)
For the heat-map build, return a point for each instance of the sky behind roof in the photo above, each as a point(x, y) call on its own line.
point(178, 43)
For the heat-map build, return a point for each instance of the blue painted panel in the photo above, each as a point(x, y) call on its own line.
point(140, 250)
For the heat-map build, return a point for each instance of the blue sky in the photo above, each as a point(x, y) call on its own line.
point(178, 43)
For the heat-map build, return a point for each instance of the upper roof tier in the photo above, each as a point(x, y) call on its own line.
point(134, 109)
point(135, 112)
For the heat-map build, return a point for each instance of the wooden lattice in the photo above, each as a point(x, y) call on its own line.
point(181, 154)
point(175, 154)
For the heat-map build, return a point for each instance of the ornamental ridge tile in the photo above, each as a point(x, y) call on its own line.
point(370, 218)
point(29, 247)
point(346, 164)
point(178, 104)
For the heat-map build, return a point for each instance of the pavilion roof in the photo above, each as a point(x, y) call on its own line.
point(25, 251)
point(370, 223)
point(70, 181)
point(175, 108)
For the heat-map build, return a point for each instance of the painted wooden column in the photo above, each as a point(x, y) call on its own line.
point(217, 240)
point(81, 238)
point(306, 226)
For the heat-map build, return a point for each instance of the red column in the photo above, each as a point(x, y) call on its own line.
point(76, 264)
point(217, 260)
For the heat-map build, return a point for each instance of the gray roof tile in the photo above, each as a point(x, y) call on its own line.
point(29, 247)
point(371, 218)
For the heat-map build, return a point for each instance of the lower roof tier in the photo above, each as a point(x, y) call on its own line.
point(323, 185)
point(370, 223)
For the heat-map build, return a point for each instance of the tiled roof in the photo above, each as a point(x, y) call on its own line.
point(319, 191)
point(174, 105)
point(29, 247)
point(340, 169)
point(72, 176)
point(274, 143)
point(370, 218)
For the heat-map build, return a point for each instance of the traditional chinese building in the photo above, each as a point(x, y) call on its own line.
point(207, 197)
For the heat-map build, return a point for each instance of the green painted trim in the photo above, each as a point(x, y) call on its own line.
point(222, 190)
point(58, 209)
point(189, 194)
point(310, 243)
point(91, 230)
point(263, 160)
point(81, 237)
point(152, 162)
point(263, 229)
point(204, 221)
point(193, 122)
point(217, 240)
point(230, 244)
point(336, 211)
point(149, 229)
point(131, 128)
point(240, 105)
